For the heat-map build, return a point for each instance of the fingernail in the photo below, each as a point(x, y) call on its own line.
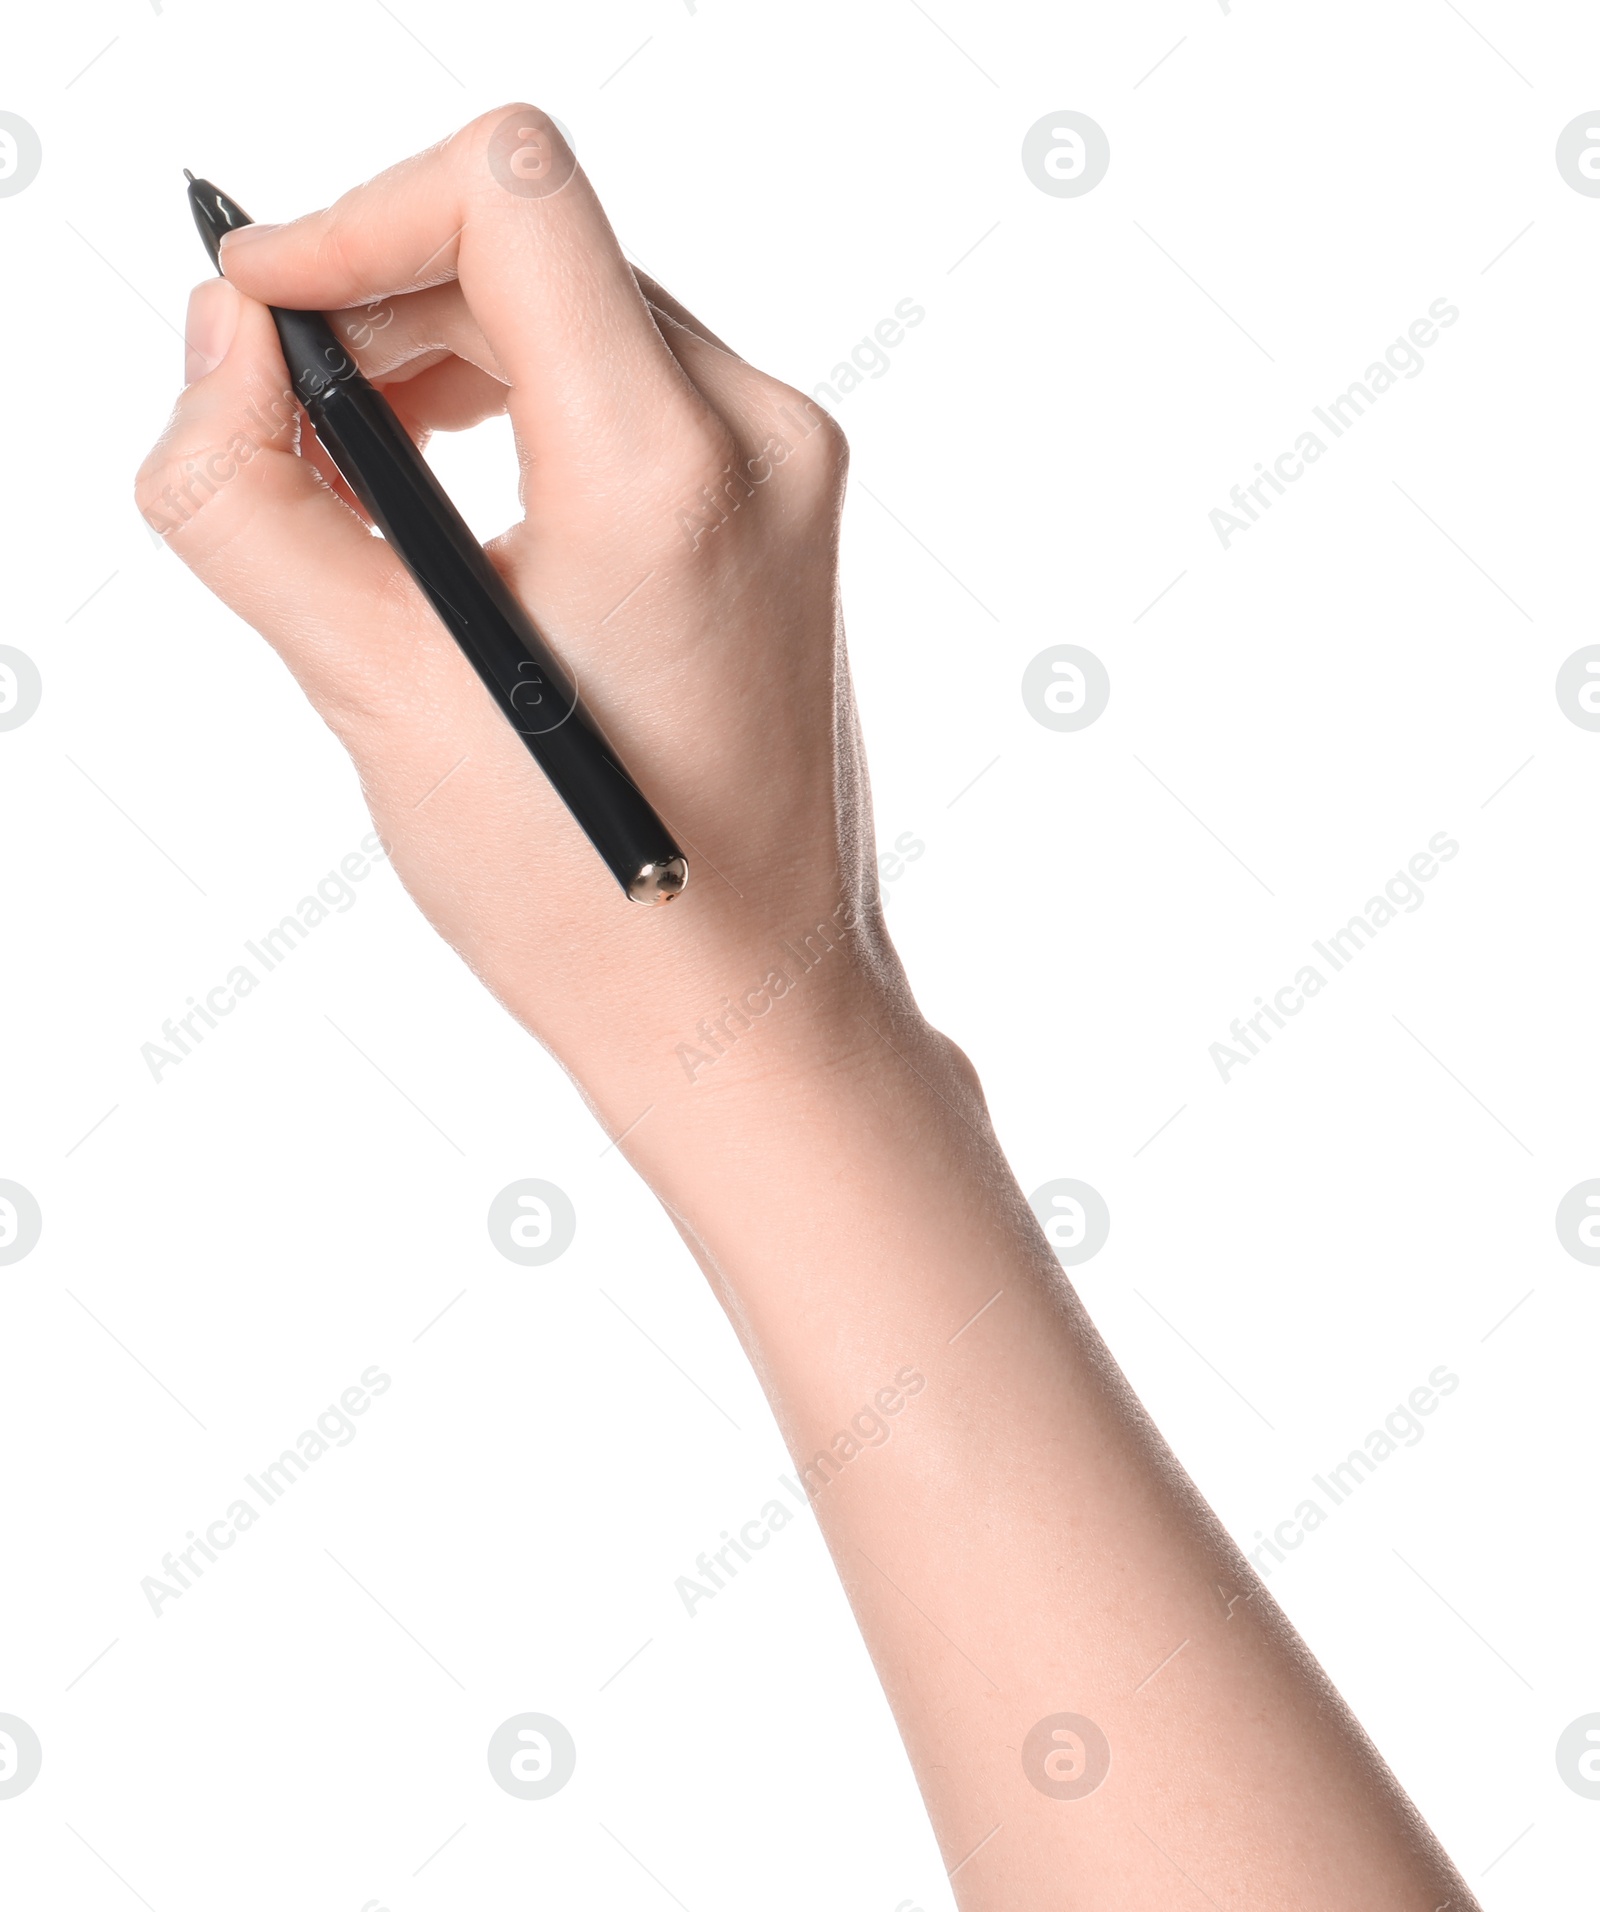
point(243, 235)
point(209, 328)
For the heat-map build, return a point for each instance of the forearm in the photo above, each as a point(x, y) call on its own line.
point(1014, 1536)
point(1018, 1544)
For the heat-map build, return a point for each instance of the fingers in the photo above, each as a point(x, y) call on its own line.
point(772, 421)
point(725, 382)
point(504, 208)
point(388, 333)
point(772, 424)
point(225, 487)
point(255, 522)
point(451, 396)
point(400, 336)
point(663, 301)
point(212, 320)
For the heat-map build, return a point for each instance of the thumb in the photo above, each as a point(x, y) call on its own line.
point(226, 487)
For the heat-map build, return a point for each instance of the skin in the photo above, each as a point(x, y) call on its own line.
point(1024, 1544)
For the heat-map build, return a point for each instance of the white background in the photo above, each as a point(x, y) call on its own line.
point(226, 1250)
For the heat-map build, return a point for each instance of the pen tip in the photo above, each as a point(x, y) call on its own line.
point(659, 882)
point(188, 175)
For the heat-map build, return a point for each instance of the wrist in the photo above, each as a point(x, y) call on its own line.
point(733, 1016)
point(793, 1122)
point(767, 1051)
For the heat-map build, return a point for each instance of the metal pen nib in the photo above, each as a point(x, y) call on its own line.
point(660, 882)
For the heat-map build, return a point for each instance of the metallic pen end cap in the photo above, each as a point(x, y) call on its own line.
point(660, 882)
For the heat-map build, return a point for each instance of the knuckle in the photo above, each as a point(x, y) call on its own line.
point(817, 458)
point(483, 129)
point(702, 477)
point(334, 255)
point(150, 480)
point(189, 472)
point(702, 453)
point(786, 447)
point(517, 147)
point(832, 451)
point(171, 483)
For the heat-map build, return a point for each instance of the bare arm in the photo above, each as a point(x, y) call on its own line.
point(1096, 1693)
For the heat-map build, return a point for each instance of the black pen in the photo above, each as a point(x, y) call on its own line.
point(381, 465)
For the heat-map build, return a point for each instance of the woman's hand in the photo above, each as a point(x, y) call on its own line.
point(1024, 1550)
point(679, 551)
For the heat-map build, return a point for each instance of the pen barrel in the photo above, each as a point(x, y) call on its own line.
point(537, 697)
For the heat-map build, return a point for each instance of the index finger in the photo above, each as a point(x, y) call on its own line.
point(504, 207)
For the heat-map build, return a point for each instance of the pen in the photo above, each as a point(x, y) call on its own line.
point(377, 459)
